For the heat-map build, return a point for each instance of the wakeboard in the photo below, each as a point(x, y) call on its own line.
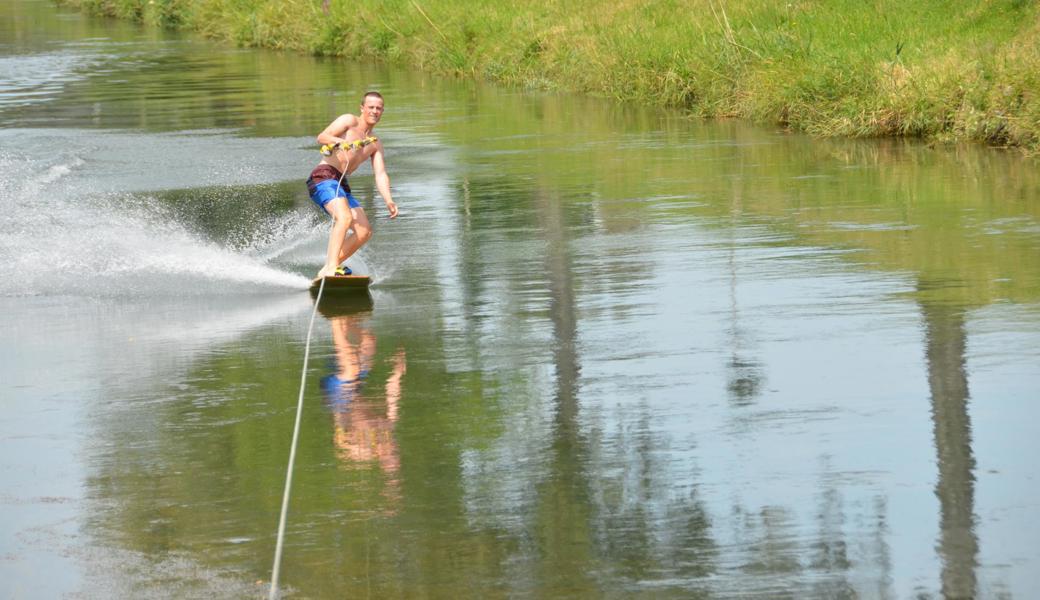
point(343, 283)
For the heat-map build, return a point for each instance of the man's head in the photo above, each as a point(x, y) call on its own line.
point(371, 108)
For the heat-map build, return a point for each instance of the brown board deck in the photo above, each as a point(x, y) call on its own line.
point(343, 283)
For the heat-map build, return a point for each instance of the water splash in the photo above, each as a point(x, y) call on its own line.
point(57, 239)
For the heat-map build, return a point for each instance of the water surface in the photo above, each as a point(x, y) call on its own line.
point(610, 351)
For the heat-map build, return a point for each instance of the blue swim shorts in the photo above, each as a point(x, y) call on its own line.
point(324, 185)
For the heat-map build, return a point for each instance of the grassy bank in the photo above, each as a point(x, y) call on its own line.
point(931, 68)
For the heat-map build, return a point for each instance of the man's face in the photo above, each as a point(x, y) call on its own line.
point(372, 110)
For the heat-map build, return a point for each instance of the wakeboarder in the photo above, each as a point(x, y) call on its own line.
point(345, 145)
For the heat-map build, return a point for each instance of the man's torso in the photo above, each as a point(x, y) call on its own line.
point(347, 161)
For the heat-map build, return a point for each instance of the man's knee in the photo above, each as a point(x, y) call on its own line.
point(363, 232)
point(342, 219)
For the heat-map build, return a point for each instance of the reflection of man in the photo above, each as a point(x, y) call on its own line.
point(363, 429)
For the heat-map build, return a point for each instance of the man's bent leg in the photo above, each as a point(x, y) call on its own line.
point(362, 233)
point(342, 221)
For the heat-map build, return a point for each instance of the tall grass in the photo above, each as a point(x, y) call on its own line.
point(930, 68)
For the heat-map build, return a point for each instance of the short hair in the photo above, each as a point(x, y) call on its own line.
point(372, 93)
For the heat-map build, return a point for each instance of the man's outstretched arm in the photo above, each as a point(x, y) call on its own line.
point(383, 181)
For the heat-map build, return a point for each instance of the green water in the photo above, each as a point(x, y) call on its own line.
point(609, 351)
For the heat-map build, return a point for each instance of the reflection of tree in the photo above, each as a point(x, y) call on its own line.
point(948, 380)
point(776, 549)
point(640, 535)
point(782, 560)
point(469, 254)
point(882, 551)
point(648, 529)
point(829, 555)
point(744, 374)
point(564, 509)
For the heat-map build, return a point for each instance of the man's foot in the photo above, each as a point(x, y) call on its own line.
point(337, 272)
point(324, 272)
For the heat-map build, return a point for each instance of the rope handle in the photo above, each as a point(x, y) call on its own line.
point(328, 149)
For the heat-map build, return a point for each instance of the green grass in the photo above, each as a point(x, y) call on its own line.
point(932, 69)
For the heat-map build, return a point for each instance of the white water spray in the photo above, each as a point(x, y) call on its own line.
point(58, 239)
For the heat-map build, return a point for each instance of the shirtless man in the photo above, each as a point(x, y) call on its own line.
point(346, 143)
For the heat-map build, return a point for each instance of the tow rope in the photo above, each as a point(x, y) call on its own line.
point(292, 454)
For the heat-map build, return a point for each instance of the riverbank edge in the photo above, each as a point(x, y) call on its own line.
point(973, 76)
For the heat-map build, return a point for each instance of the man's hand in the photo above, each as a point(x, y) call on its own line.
point(390, 206)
